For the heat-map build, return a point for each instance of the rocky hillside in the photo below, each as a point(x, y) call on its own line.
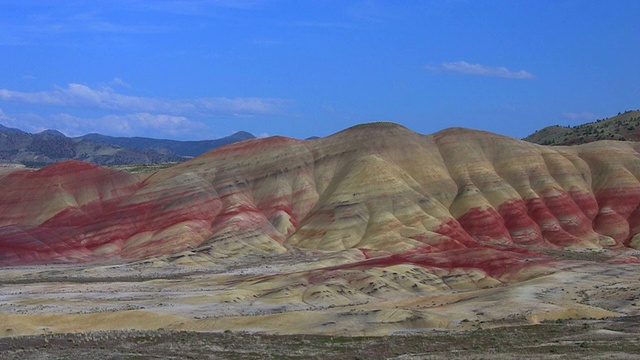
point(391, 194)
point(625, 126)
point(371, 231)
point(181, 148)
point(50, 146)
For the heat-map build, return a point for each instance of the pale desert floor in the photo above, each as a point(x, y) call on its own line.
point(283, 296)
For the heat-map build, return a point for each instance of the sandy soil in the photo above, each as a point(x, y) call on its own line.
point(285, 295)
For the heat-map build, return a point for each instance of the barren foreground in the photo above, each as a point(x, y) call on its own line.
point(155, 308)
point(595, 339)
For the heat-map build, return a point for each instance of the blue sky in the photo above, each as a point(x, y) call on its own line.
point(205, 69)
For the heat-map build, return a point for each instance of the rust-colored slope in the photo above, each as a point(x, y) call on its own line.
point(75, 211)
point(379, 188)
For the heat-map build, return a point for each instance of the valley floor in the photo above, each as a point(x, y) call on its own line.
point(584, 303)
point(617, 338)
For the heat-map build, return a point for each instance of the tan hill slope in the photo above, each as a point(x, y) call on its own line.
point(379, 188)
point(624, 127)
point(372, 230)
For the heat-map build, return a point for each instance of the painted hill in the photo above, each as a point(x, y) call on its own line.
point(378, 188)
point(371, 231)
point(624, 126)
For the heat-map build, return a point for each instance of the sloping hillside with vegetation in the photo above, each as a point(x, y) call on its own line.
point(18, 147)
point(624, 127)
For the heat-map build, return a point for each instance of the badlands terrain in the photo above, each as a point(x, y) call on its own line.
point(373, 231)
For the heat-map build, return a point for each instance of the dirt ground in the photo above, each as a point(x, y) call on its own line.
point(587, 304)
point(617, 338)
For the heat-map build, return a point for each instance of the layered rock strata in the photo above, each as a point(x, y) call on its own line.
point(457, 199)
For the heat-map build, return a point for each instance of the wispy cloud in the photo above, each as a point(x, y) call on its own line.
point(45, 23)
point(119, 82)
point(8, 121)
point(32, 24)
point(135, 124)
point(83, 96)
point(128, 125)
point(574, 116)
point(463, 67)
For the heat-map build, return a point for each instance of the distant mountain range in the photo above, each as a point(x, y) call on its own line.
point(180, 148)
point(624, 126)
point(50, 146)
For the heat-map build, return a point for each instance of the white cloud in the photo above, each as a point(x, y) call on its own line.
point(574, 116)
point(54, 28)
point(463, 67)
point(6, 120)
point(83, 96)
point(119, 82)
point(136, 124)
point(172, 125)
